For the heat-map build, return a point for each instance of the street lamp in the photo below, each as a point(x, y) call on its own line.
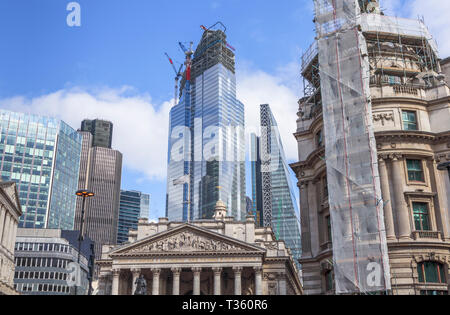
point(445, 166)
point(84, 193)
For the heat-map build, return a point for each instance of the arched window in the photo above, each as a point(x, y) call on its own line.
point(431, 272)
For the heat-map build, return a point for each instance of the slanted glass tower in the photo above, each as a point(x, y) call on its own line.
point(273, 193)
point(42, 155)
point(212, 150)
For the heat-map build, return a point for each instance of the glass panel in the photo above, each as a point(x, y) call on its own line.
point(421, 216)
point(415, 170)
point(410, 120)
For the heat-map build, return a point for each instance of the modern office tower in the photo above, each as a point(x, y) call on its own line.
point(272, 186)
point(255, 160)
point(101, 131)
point(211, 120)
point(133, 206)
point(389, 85)
point(42, 155)
point(43, 258)
point(100, 172)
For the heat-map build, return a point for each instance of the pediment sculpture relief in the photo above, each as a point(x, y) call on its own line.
point(186, 241)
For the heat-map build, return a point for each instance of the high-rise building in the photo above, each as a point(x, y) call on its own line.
point(43, 258)
point(42, 155)
point(275, 205)
point(380, 118)
point(101, 173)
point(133, 206)
point(255, 160)
point(212, 150)
point(101, 131)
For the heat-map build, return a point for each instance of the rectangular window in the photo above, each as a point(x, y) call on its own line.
point(415, 171)
point(410, 120)
point(421, 216)
point(329, 234)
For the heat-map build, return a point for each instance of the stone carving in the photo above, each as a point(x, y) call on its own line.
point(383, 117)
point(186, 242)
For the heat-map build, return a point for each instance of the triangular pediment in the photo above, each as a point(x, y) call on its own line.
point(10, 190)
point(186, 239)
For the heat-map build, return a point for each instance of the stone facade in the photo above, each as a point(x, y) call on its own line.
point(207, 257)
point(426, 96)
point(10, 212)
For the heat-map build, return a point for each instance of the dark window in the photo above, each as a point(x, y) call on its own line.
point(421, 216)
point(319, 138)
point(410, 120)
point(431, 272)
point(415, 170)
point(329, 281)
point(329, 233)
point(433, 292)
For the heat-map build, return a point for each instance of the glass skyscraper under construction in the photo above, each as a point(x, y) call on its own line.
point(273, 193)
point(206, 141)
point(42, 155)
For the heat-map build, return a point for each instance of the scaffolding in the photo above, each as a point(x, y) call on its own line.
point(360, 256)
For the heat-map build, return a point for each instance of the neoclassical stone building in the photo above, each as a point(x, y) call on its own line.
point(10, 212)
point(411, 115)
point(207, 257)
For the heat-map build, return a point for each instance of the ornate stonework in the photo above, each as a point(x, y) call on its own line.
point(208, 257)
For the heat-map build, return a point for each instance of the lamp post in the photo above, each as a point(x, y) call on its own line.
point(84, 193)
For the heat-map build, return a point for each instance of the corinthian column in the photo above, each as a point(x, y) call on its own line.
point(258, 280)
point(115, 282)
point(176, 272)
point(2, 221)
point(155, 283)
point(217, 283)
point(237, 280)
point(385, 190)
point(196, 282)
point(404, 225)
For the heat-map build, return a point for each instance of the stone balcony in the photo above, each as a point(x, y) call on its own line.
point(427, 235)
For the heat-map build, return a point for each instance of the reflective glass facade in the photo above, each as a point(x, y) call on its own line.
point(133, 205)
point(279, 192)
point(214, 139)
point(42, 155)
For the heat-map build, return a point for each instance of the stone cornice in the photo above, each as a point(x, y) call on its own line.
point(414, 136)
point(315, 156)
point(317, 121)
point(192, 254)
point(397, 100)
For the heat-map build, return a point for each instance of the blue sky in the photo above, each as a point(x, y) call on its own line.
point(113, 65)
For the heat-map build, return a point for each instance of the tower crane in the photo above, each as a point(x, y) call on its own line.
point(178, 75)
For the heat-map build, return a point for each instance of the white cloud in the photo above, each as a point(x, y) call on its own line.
point(140, 127)
point(255, 87)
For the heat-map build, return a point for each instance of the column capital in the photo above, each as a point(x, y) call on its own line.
point(237, 269)
point(217, 270)
point(258, 269)
point(156, 271)
point(196, 269)
point(176, 271)
point(135, 270)
point(115, 272)
point(396, 157)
